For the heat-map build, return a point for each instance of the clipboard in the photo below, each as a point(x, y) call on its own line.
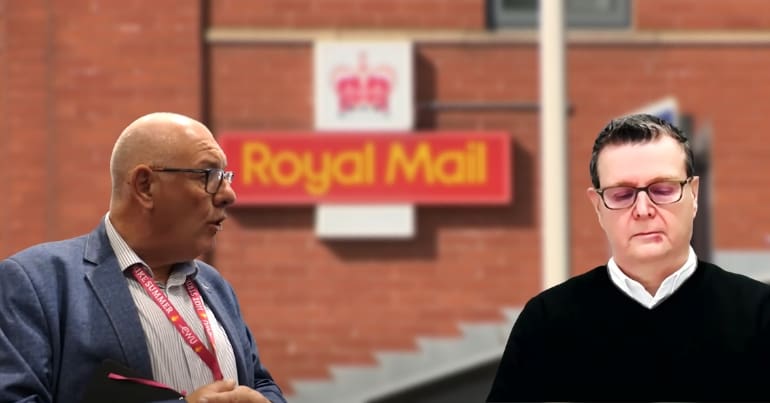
point(114, 382)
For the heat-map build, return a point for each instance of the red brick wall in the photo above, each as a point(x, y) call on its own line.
point(261, 87)
point(4, 154)
point(702, 14)
point(723, 85)
point(77, 73)
point(477, 257)
point(25, 129)
point(311, 303)
point(368, 14)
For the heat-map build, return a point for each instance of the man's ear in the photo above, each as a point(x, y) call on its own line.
point(695, 185)
point(141, 179)
point(596, 202)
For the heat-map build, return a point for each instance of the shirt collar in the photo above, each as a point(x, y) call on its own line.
point(670, 284)
point(128, 258)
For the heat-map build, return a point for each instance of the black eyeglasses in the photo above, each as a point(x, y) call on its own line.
point(663, 192)
point(213, 180)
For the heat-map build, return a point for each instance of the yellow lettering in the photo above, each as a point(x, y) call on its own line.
point(448, 160)
point(470, 168)
point(318, 181)
point(369, 157)
point(354, 162)
point(256, 156)
point(294, 164)
point(481, 163)
point(397, 159)
point(319, 171)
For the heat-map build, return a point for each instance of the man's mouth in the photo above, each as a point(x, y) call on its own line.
point(218, 223)
point(647, 233)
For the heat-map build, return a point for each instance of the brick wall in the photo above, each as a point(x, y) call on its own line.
point(723, 85)
point(78, 72)
point(25, 130)
point(4, 154)
point(311, 303)
point(367, 14)
point(702, 14)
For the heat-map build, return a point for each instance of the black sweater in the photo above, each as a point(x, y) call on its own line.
point(587, 340)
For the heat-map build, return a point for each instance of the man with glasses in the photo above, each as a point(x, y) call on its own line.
point(127, 312)
point(655, 322)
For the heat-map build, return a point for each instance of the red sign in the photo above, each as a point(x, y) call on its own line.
point(421, 168)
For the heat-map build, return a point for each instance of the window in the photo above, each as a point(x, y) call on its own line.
point(578, 13)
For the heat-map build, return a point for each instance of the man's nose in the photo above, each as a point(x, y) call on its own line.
point(225, 196)
point(644, 207)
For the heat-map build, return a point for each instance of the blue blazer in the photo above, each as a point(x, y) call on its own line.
point(65, 307)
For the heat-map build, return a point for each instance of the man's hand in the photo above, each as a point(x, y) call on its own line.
point(225, 392)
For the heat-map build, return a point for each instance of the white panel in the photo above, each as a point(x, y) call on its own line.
point(340, 221)
point(666, 108)
point(364, 86)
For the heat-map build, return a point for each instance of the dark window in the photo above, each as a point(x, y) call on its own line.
point(589, 14)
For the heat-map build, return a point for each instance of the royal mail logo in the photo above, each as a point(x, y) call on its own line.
point(363, 86)
point(307, 168)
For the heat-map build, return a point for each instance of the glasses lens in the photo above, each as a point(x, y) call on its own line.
point(619, 197)
point(228, 176)
point(214, 180)
point(665, 192)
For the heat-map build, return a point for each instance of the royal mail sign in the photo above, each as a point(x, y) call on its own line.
point(363, 85)
point(423, 168)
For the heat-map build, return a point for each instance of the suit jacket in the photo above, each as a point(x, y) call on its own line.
point(65, 307)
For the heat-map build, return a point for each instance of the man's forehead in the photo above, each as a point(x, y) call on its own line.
point(641, 163)
point(210, 154)
point(661, 149)
point(207, 162)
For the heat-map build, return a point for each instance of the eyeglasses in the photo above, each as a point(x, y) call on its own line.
point(213, 180)
point(663, 192)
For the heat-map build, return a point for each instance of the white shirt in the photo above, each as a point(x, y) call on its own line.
point(174, 363)
point(638, 293)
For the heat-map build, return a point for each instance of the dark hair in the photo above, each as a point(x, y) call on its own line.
point(640, 128)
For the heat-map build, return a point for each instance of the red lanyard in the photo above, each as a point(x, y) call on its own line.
point(209, 357)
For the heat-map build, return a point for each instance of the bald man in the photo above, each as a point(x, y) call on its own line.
point(130, 299)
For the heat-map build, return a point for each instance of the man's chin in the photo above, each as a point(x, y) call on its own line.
point(206, 246)
point(650, 252)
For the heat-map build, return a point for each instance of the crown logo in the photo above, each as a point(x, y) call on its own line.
point(363, 87)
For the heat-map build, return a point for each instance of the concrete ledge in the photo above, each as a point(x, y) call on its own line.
point(435, 359)
point(751, 263)
point(236, 35)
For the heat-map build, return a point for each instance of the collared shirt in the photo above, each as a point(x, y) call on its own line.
point(174, 363)
point(636, 290)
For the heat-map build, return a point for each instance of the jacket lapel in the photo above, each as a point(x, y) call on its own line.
point(226, 320)
point(109, 286)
